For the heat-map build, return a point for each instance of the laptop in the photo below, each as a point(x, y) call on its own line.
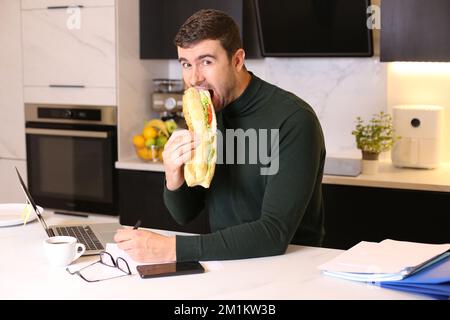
point(93, 236)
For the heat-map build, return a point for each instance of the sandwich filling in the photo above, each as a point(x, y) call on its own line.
point(205, 99)
point(207, 107)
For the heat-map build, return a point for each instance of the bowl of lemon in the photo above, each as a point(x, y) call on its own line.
point(149, 144)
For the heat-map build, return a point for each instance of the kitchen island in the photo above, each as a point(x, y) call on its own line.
point(25, 274)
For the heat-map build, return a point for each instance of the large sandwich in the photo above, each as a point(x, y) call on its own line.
point(200, 117)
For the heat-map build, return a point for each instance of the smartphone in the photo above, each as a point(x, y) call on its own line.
point(169, 269)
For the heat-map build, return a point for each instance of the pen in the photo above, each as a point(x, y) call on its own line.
point(137, 225)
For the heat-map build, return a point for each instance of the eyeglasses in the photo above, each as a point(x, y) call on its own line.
point(107, 260)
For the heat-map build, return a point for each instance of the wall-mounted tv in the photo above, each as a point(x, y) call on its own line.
point(314, 28)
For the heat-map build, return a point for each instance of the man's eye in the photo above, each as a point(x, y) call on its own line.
point(206, 62)
point(185, 65)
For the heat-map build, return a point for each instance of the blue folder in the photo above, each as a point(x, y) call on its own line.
point(433, 280)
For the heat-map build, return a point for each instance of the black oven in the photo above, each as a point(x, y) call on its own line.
point(71, 153)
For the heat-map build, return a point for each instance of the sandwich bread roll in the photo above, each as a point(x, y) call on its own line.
point(200, 117)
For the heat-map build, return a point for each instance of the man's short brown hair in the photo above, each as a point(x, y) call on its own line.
point(210, 24)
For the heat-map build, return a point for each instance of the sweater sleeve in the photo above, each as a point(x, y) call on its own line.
point(184, 204)
point(286, 197)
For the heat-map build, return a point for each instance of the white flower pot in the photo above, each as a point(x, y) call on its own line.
point(369, 167)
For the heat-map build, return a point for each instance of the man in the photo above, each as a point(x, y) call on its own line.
point(250, 214)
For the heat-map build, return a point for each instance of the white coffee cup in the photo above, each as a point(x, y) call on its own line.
point(62, 250)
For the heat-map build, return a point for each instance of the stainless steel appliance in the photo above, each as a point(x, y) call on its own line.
point(167, 100)
point(71, 151)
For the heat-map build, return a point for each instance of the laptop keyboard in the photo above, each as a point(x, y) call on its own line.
point(84, 234)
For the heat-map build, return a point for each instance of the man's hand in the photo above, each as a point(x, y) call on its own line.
point(146, 246)
point(178, 150)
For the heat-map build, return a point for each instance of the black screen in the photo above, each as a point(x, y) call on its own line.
point(160, 21)
point(74, 169)
point(314, 27)
point(169, 269)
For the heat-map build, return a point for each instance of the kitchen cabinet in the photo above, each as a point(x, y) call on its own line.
point(43, 4)
point(69, 55)
point(161, 19)
point(415, 30)
point(354, 214)
point(141, 198)
point(12, 128)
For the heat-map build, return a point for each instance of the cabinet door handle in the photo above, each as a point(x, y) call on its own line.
point(66, 86)
point(67, 133)
point(64, 7)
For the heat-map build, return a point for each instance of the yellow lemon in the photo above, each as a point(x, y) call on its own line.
point(138, 141)
point(149, 133)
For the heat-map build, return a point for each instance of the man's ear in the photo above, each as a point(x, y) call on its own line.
point(238, 59)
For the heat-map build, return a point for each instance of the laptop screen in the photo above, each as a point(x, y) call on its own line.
point(33, 204)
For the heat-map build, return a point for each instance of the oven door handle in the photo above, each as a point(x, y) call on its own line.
point(67, 133)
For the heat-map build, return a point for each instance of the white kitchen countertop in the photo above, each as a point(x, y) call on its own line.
point(388, 176)
point(25, 274)
point(137, 164)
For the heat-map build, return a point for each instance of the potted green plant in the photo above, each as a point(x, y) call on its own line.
point(373, 138)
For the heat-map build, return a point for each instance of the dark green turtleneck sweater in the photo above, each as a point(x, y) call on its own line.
point(250, 214)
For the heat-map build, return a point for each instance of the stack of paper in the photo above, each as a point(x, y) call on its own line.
point(394, 263)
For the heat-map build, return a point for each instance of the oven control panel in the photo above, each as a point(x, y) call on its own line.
point(73, 114)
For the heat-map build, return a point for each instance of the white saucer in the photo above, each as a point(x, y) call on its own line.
point(11, 214)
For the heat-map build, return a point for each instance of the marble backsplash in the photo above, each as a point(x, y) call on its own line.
point(338, 89)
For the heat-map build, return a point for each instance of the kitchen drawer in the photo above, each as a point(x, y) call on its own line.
point(54, 54)
point(85, 96)
point(43, 4)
